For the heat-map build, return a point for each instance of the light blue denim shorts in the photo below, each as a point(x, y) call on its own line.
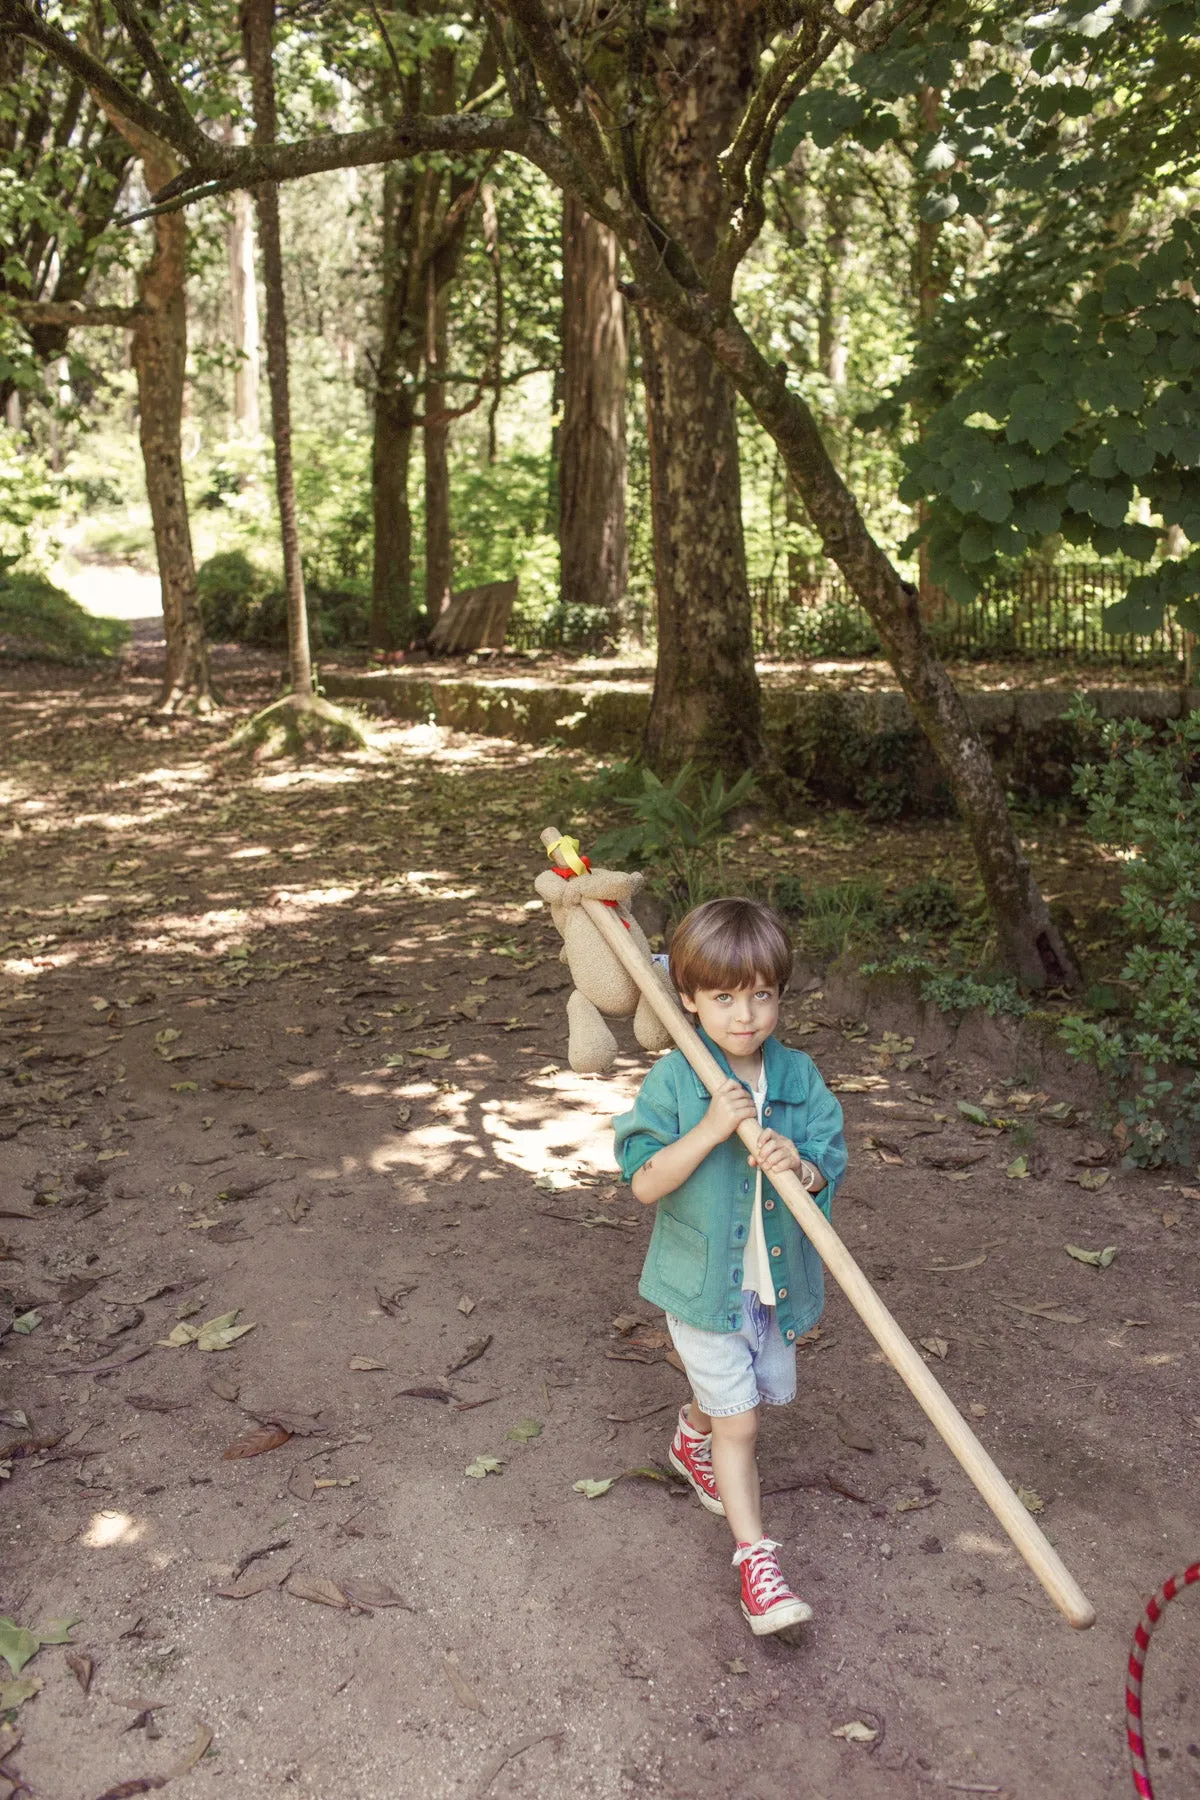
point(731, 1371)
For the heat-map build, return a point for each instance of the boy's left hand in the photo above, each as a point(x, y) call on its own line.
point(775, 1155)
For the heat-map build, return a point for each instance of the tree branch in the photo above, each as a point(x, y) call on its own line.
point(187, 135)
point(22, 19)
point(70, 312)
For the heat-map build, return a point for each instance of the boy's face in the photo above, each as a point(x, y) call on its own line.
point(738, 1019)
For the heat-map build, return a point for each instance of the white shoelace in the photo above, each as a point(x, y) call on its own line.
point(766, 1577)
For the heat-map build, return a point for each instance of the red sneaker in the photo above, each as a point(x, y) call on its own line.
point(691, 1455)
point(767, 1601)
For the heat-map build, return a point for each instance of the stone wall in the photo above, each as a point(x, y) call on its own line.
point(845, 748)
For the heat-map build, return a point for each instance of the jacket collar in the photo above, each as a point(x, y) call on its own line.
point(781, 1065)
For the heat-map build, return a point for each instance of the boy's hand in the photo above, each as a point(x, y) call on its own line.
point(730, 1106)
point(775, 1155)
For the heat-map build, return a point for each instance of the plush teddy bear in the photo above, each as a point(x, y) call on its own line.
point(602, 985)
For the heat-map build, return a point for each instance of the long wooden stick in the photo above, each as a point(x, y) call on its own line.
point(929, 1394)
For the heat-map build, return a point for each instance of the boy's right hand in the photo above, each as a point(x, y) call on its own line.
point(730, 1106)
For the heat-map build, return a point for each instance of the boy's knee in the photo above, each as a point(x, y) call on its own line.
point(737, 1428)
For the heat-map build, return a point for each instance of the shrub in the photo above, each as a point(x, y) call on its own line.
point(39, 620)
point(839, 914)
point(1143, 801)
point(929, 906)
point(231, 589)
point(676, 830)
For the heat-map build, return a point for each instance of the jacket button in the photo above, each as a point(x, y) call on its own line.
point(783, 1293)
point(790, 1335)
point(745, 1187)
point(768, 1206)
point(739, 1233)
point(736, 1277)
point(766, 1112)
point(775, 1250)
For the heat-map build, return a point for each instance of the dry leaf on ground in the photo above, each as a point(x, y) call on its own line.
point(472, 1353)
point(854, 1435)
point(373, 1594)
point(250, 1585)
point(256, 1443)
point(317, 1589)
point(82, 1667)
point(195, 1750)
point(1095, 1259)
point(855, 1732)
point(484, 1465)
point(463, 1692)
point(1030, 1499)
point(365, 1365)
point(936, 1346)
point(466, 1306)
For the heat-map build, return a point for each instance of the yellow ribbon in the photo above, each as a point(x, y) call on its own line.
point(568, 849)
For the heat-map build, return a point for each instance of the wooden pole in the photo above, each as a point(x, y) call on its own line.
point(926, 1390)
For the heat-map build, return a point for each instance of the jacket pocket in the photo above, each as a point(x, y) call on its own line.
point(683, 1256)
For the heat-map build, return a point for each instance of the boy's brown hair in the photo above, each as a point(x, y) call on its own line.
point(730, 944)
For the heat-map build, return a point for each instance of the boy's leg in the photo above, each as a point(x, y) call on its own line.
point(736, 1471)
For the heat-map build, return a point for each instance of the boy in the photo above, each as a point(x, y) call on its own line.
point(735, 1275)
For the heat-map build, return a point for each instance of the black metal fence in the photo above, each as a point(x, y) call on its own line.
point(1055, 612)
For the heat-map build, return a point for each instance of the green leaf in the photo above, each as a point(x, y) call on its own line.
point(976, 544)
point(18, 1645)
point(484, 1466)
point(524, 1430)
point(58, 1631)
point(1018, 1168)
point(1096, 1259)
point(976, 1114)
point(26, 1323)
point(592, 1490)
point(16, 1693)
point(936, 208)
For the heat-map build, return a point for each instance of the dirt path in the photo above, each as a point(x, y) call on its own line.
point(290, 1042)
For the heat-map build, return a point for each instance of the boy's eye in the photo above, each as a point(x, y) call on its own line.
point(721, 998)
point(764, 994)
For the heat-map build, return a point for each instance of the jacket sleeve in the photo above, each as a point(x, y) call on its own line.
point(822, 1141)
point(652, 1123)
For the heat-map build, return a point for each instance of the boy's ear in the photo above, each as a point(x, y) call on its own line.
point(689, 1005)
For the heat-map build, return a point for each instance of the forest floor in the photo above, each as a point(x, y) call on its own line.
point(287, 1042)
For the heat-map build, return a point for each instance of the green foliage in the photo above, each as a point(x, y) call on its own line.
point(1143, 802)
point(951, 992)
point(839, 914)
point(231, 591)
point(39, 620)
point(930, 907)
point(30, 497)
point(676, 831)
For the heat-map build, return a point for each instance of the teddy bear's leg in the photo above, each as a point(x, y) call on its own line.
point(591, 1048)
point(648, 1028)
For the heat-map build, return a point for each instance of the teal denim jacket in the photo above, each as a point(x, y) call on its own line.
point(694, 1265)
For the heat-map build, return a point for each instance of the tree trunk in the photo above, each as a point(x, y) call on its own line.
point(707, 704)
point(928, 284)
point(1028, 941)
point(392, 615)
point(243, 294)
point(258, 19)
point(158, 351)
point(595, 552)
point(439, 555)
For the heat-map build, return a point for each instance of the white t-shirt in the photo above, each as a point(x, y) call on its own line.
point(757, 1274)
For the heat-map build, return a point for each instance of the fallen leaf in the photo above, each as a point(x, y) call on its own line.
point(978, 1410)
point(1169, 1220)
point(184, 1087)
point(1096, 1259)
point(472, 1353)
point(1093, 1179)
point(736, 1666)
point(1018, 1168)
point(976, 1114)
point(439, 1052)
point(592, 1490)
point(57, 1631)
point(335, 1481)
point(364, 1364)
point(1043, 1310)
point(195, 1750)
point(220, 1333)
point(856, 1732)
point(16, 1693)
point(854, 1436)
point(976, 1262)
point(555, 1181)
point(624, 1323)
point(17, 1644)
point(466, 1306)
point(373, 1594)
point(180, 1336)
point(26, 1323)
point(82, 1667)
point(141, 1784)
point(224, 1390)
point(484, 1465)
point(317, 1589)
point(916, 1503)
point(256, 1443)
point(1030, 1499)
point(937, 1346)
point(463, 1692)
point(250, 1585)
point(524, 1430)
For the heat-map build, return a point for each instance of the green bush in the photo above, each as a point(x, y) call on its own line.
point(1143, 801)
point(930, 906)
point(40, 621)
point(231, 590)
point(951, 992)
point(838, 914)
point(676, 830)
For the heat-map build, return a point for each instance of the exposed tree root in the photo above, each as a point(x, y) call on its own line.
point(187, 703)
point(298, 723)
